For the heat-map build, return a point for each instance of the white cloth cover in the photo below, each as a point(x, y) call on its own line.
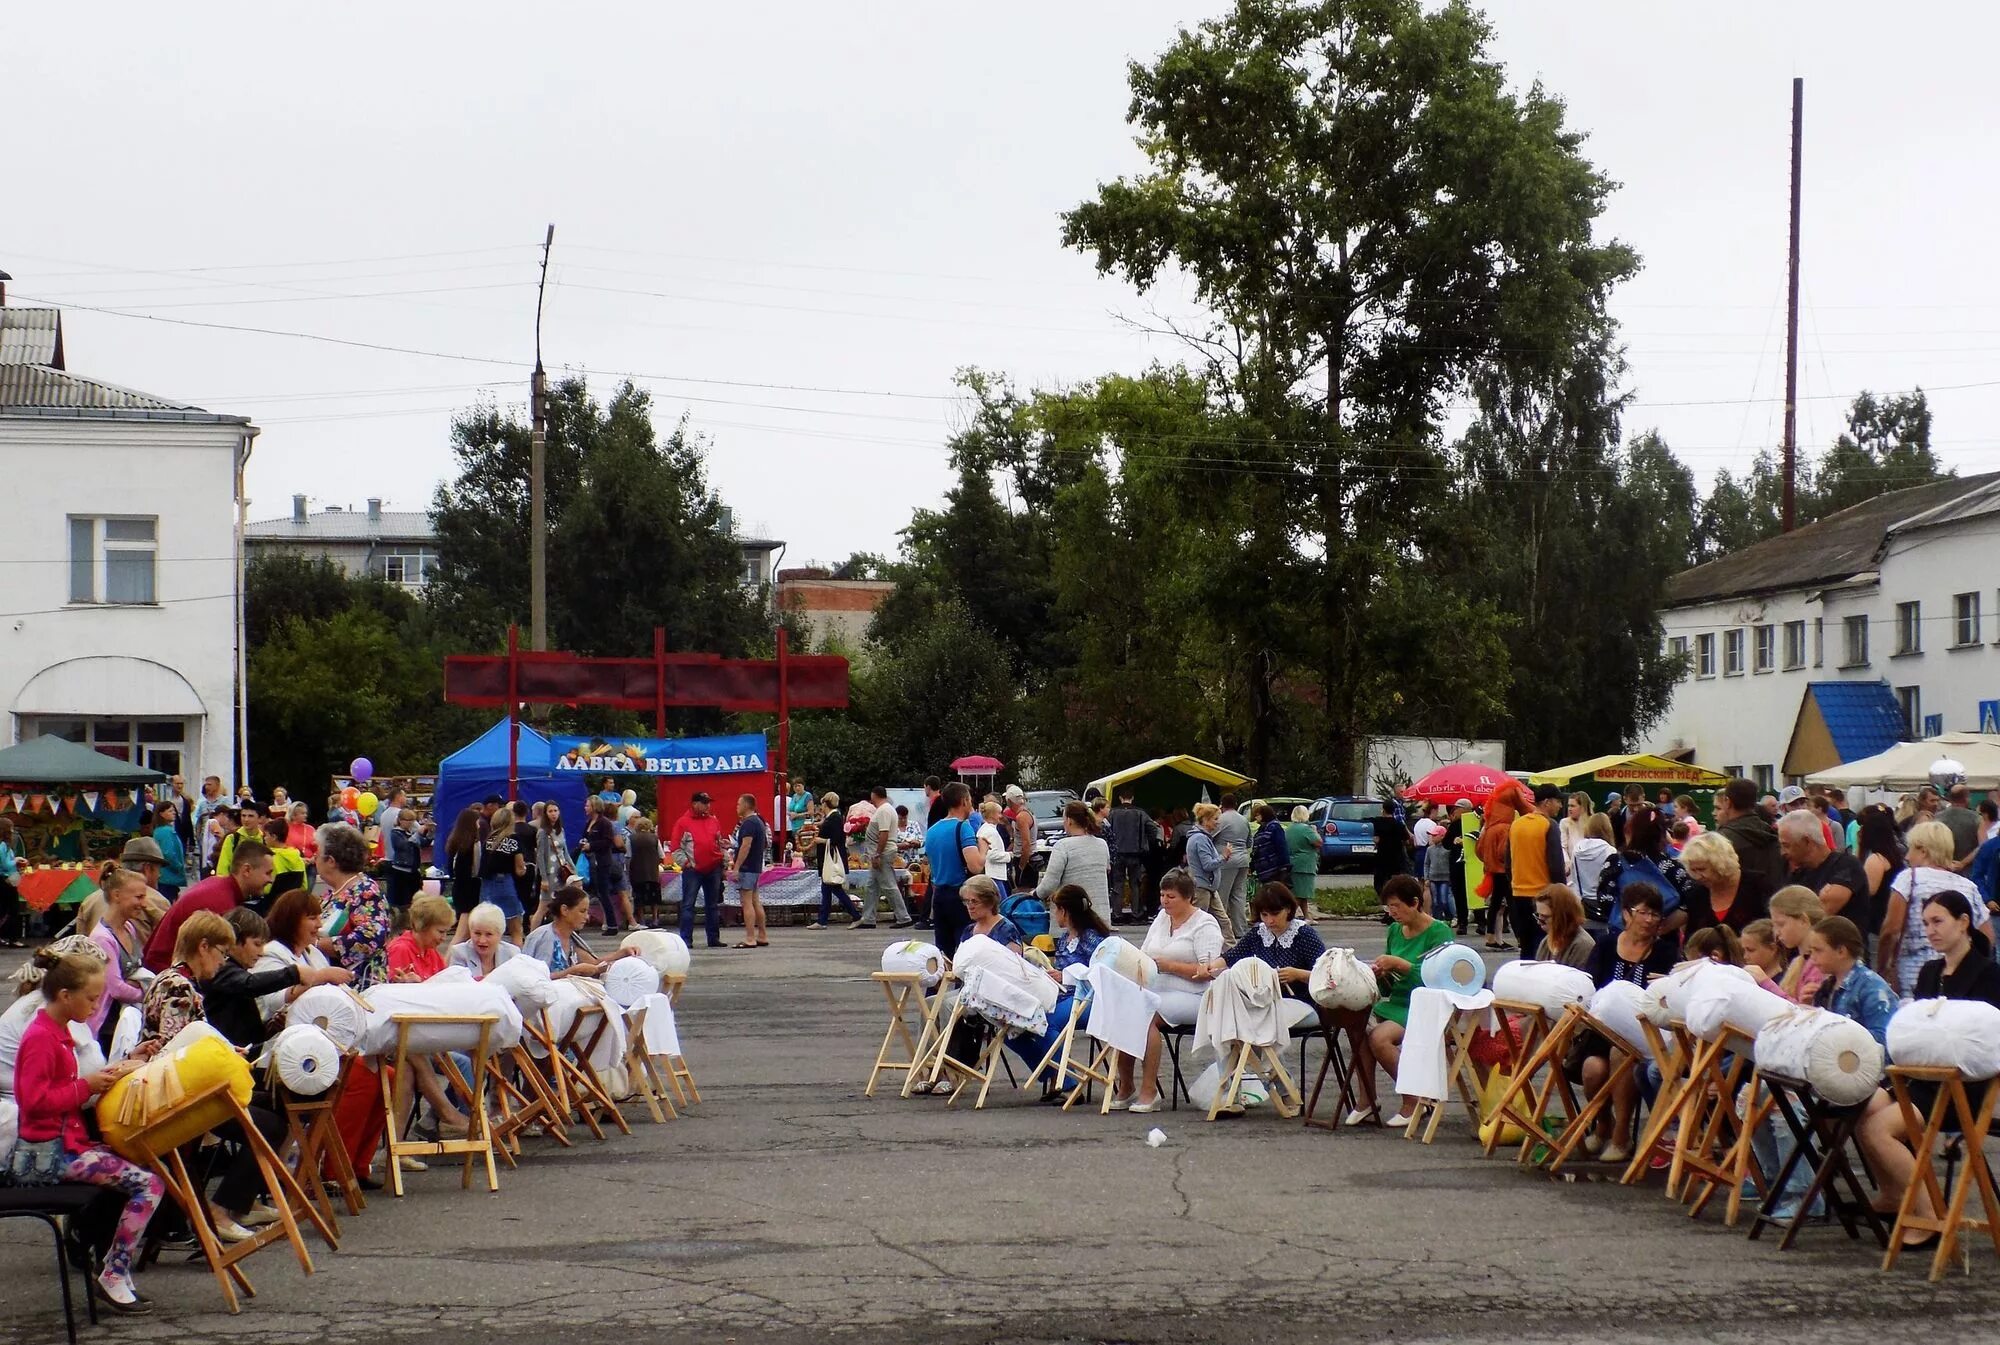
point(527, 980)
point(125, 1033)
point(1619, 1006)
point(1250, 1092)
point(629, 980)
point(1340, 980)
point(306, 1059)
point(442, 997)
point(10, 1127)
point(1124, 957)
point(1424, 1070)
point(334, 1010)
point(1719, 1001)
point(913, 956)
point(1453, 967)
point(1833, 1053)
point(665, 952)
point(1001, 1000)
point(90, 1056)
point(1667, 998)
point(572, 993)
point(1960, 1034)
point(1121, 1011)
point(1241, 1006)
point(980, 952)
point(1550, 986)
point(655, 1014)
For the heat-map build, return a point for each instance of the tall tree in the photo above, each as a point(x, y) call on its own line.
point(636, 538)
point(1887, 446)
point(1370, 216)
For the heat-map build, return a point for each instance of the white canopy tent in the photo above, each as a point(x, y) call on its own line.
point(1908, 765)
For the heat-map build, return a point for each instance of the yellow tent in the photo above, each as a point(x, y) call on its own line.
point(1170, 782)
point(1632, 769)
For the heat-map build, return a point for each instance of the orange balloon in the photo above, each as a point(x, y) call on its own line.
point(349, 796)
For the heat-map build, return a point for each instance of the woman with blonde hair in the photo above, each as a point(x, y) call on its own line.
point(501, 867)
point(1902, 948)
point(114, 928)
point(1723, 895)
point(1794, 912)
point(1204, 865)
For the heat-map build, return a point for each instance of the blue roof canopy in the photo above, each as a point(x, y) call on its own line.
point(1862, 718)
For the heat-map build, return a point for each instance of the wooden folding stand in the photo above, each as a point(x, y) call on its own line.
point(594, 1091)
point(1538, 1054)
point(1427, 1113)
point(565, 1082)
point(524, 1099)
point(983, 1070)
point(287, 1196)
point(315, 1140)
point(1055, 1061)
point(1674, 1051)
point(1953, 1103)
point(649, 1081)
point(1821, 1133)
point(1284, 1093)
point(678, 1073)
point(900, 1052)
point(1627, 1059)
point(1758, 1107)
point(478, 1141)
point(1704, 1152)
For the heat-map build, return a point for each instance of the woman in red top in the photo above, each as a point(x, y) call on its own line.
point(413, 954)
point(53, 1139)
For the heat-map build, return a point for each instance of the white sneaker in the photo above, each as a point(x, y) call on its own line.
point(1363, 1115)
point(410, 1164)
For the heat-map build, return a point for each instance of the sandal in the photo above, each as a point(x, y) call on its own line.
point(742, 945)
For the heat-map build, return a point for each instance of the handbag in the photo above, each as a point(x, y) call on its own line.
point(37, 1162)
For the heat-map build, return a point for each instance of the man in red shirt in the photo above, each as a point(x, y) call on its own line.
point(701, 867)
point(249, 874)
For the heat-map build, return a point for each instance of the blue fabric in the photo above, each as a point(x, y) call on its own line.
point(1025, 911)
point(1074, 950)
point(1862, 718)
point(945, 844)
point(480, 768)
point(1032, 1049)
point(1204, 861)
point(1270, 855)
point(1863, 996)
point(173, 873)
point(1986, 867)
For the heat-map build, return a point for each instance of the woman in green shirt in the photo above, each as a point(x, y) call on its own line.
point(1302, 840)
point(1413, 934)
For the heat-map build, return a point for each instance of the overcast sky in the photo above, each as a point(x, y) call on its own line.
point(755, 200)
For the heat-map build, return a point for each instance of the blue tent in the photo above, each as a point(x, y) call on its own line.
point(480, 768)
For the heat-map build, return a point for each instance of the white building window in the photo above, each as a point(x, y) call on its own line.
point(1732, 652)
point(1795, 645)
point(112, 559)
point(1855, 628)
point(1677, 649)
point(1704, 655)
point(1909, 628)
point(410, 566)
point(1733, 772)
point(1765, 776)
point(1912, 701)
point(158, 743)
point(1765, 648)
point(1964, 620)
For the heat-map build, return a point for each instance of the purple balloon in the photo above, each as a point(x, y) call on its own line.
point(362, 769)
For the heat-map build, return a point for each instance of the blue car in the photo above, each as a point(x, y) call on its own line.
point(1346, 825)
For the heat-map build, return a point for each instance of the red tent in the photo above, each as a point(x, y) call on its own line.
point(977, 766)
point(1460, 780)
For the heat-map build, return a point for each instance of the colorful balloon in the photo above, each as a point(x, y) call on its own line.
point(367, 803)
point(349, 796)
point(362, 769)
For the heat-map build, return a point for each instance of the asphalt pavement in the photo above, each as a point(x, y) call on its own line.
point(788, 1208)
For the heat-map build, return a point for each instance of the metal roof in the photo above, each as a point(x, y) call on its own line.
point(1862, 718)
point(1836, 548)
point(345, 525)
point(31, 336)
point(30, 390)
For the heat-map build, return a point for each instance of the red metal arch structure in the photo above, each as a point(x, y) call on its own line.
point(664, 681)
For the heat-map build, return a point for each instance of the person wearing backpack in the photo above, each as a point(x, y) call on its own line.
point(952, 846)
point(1644, 860)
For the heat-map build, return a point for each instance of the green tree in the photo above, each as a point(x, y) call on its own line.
point(1372, 219)
point(636, 538)
point(1887, 446)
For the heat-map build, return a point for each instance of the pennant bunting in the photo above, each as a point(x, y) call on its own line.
point(90, 797)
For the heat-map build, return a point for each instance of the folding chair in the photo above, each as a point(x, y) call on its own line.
point(648, 1080)
point(314, 1138)
point(1171, 1037)
point(1121, 1020)
point(1709, 1125)
point(1335, 1024)
point(1953, 1103)
point(904, 991)
point(1627, 1058)
point(478, 1141)
point(54, 1206)
point(287, 1197)
point(1821, 1134)
point(595, 1093)
point(1674, 1051)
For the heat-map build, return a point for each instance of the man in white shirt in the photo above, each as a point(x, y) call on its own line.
point(882, 832)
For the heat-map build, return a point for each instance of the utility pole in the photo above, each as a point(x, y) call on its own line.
point(1792, 312)
point(538, 442)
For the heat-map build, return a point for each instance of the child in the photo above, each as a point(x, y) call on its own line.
point(54, 1143)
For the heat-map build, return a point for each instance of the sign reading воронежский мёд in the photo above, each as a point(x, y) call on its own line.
point(735, 754)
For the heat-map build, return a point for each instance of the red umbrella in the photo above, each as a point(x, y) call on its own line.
point(1460, 780)
point(977, 766)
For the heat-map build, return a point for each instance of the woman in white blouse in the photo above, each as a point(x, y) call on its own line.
point(484, 948)
point(1183, 941)
point(294, 942)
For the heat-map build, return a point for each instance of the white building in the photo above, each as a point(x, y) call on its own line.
point(122, 618)
point(397, 545)
point(1831, 642)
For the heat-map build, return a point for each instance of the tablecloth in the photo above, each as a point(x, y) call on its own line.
point(43, 888)
point(1423, 1070)
point(787, 886)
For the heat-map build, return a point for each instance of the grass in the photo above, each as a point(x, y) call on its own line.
point(1347, 901)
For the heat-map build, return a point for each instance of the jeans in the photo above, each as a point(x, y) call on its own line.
point(1128, 869)
point(828, 893)
point(1773, 1146)
point(1441, 905)
point(882, 878)
point(948, 918)
point(707, 885)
